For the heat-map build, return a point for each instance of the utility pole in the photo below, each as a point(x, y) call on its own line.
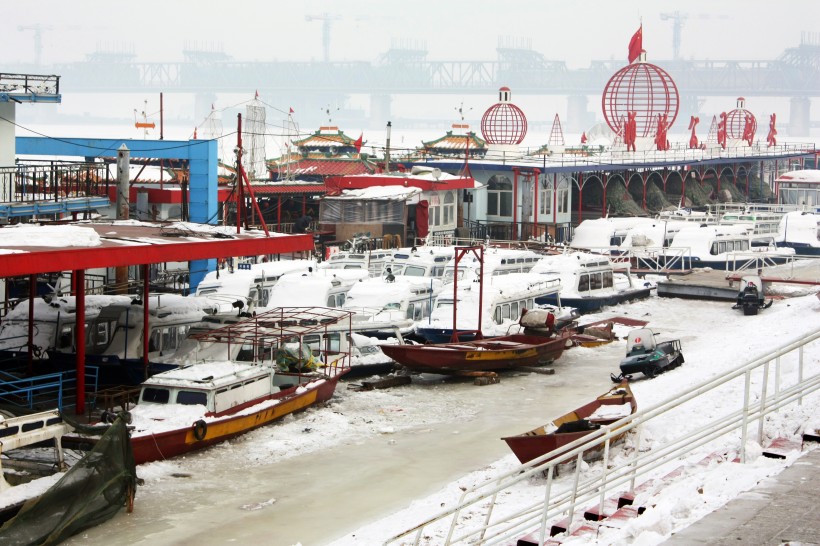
point(387, 148)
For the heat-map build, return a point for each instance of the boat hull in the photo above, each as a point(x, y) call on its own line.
point(539, 442)
point(489, 354)
point(594, 303)
point(154, 447)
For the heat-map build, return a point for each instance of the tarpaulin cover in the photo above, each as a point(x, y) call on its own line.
point(422, 216)
point(91, 492)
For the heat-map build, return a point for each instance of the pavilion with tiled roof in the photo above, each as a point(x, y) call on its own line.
point(328, 138)
point(456, 143)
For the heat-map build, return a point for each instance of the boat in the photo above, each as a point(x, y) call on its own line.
point(615, 404)
point(114, 332)
point(502, 299)
point(588, 282)
point(479, 355)
point(195, 406)
point(801, 232)
point(647, 356)
point(722, 247)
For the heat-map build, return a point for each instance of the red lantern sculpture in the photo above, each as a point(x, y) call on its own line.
point(741, 123)
point(504, 122)
point(642, 88)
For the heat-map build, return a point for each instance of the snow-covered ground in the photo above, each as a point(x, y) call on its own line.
point(375, 463)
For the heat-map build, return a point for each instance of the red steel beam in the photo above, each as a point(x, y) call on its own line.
point(63, 259)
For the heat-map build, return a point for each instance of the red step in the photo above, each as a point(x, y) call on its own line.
point(780, 448)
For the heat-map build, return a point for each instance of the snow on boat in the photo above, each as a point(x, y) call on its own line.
point(613, 405)
point(588, 282)
point(801, 232)
point(192, 407)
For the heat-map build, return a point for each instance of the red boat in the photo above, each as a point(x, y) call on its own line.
point(490, 354)
point(611, 406)
point(195, 406)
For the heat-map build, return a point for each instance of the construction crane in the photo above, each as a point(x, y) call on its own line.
point(38, 39)
point(326, 22)
point(677, 23)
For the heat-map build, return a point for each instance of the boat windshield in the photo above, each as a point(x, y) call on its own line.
point(192, 398)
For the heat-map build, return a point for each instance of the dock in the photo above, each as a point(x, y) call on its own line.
point(723, 285)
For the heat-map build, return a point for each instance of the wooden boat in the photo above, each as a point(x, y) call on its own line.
point(611, 406)
point(195, 406)
point(490, 354)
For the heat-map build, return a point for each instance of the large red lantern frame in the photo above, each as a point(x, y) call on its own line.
point(645, 89)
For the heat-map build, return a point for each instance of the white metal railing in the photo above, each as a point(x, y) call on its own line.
point(472, 521)
point(796, 267)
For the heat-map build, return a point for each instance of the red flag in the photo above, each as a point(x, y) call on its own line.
point(358, 143)
point(636, 45)
point(583, 137)
point(291, 110)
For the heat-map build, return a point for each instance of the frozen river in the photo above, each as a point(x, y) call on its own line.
point(323, 475)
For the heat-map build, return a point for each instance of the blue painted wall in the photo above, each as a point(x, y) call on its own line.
point(201, 156)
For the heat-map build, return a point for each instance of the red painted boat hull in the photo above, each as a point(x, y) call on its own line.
point(169, 444)
point(491, 354)
point(535, 443)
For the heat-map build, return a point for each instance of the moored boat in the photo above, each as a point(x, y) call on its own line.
point(615, 404)
point(479, 355)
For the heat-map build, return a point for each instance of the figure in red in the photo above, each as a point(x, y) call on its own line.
point(693, 138)
point(630, 131)
point(770, 138)
point(749, 129)
point(721, 130)
point(584, 137)
point(660, 136)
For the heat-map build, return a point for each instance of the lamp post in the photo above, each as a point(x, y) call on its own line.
point(387, 149)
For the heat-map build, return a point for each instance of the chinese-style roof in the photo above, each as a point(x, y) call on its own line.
point(458, 143)
point(320, 165)
point(326, 137)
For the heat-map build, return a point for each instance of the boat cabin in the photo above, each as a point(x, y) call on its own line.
point(219, 387)
point(497, 261)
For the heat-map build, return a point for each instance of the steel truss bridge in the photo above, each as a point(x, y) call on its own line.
point(795, 73)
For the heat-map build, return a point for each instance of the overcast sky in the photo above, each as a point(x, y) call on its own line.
point(578, 32)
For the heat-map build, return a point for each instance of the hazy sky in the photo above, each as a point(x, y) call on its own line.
point(363, 29)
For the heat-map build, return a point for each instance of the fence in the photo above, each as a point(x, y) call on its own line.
point(462, 525)
point(53, 181)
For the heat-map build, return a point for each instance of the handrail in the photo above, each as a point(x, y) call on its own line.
point(535, 516)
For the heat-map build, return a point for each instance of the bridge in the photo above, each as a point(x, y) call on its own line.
point(794, 74)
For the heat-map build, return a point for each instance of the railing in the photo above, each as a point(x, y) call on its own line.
point(53, 181)
point(44, 390)
point(473, 519)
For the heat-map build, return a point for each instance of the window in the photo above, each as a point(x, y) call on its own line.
point(514, 309)
point(595, 281)
point(499, 196)
point(608, 283)
point(415, 271)
point(449, 208)
point(192, 398)
point(563, 199)
point(583, 283)
point(158, 396)
point(545, 200)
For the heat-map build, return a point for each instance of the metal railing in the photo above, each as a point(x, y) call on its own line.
point(44, 391)
point(53, 181)
point(473, 520)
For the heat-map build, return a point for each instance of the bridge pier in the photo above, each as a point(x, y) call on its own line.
point(579, 119)
point(379, 109)
point(799, 116)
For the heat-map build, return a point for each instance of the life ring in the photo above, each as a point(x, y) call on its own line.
point(200, 430)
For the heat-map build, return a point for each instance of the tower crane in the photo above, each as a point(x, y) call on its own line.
point(38, 39)
point(677, 23)
point(326, 22)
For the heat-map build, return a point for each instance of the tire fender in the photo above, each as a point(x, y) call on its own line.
point(200, 429)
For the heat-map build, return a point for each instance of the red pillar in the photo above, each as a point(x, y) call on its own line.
point(535, 177)
point(580, 194)
point(555, 198)
point(643, 199)
point(146, 332)
point(32, 292)
point(279, 214)
point(79, 339)
point(515, 203)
